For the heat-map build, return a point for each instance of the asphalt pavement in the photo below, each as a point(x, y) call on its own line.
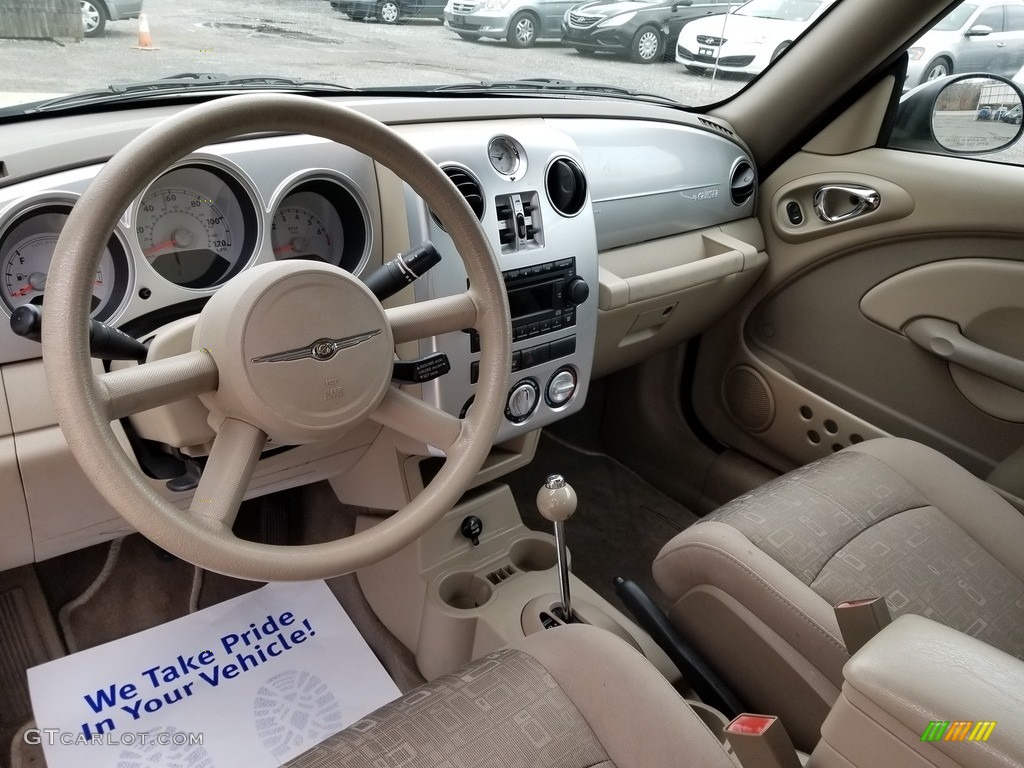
point(308, 39)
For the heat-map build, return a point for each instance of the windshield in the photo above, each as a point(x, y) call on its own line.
point(373, 44)
point(782, 10)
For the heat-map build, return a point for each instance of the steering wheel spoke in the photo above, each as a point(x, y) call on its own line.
point(133, 390)
point(412, 417)
point(411, 322)
point(228, 471)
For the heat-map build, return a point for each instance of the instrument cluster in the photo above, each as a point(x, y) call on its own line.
point(195, 227)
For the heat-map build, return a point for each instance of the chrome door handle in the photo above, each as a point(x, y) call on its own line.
point(841, 202)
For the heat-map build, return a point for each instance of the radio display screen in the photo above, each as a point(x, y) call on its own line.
point(531, 299)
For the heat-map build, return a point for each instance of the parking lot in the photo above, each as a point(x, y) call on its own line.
point(308, 39)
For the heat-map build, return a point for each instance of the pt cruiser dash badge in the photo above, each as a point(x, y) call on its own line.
point(321, 349)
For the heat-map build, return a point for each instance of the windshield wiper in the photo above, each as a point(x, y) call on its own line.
point(180, 83)
point(545, 85)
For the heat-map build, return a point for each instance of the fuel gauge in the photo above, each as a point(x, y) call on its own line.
point(26, 250)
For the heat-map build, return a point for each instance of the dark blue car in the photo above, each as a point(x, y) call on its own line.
point(638, 28)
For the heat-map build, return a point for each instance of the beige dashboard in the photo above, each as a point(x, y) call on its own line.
point(657, 223)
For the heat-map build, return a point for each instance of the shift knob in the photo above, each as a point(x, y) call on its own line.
point(556, 501)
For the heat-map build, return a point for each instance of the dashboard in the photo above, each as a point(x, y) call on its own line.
point(617, 236)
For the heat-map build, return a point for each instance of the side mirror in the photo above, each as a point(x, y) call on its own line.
point(681, 4)
point(970, 114)
point(979, 30)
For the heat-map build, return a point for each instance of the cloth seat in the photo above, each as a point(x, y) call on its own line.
point(753, 584)
point(570, 697)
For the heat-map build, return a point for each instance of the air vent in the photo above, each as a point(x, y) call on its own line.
point(710, 124)
point(566, 186)
point(468, 187)
point(741, 185)
point(518, 221)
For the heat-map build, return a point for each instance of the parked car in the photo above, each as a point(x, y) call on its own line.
point(519, 22)
point(96, 13)
point(638, 28)
point(1012, 115)
point(390, 11)
point(973, 37)
point(748, 39)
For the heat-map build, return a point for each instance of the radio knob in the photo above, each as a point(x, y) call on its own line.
point(576, 291)
point(522, 401)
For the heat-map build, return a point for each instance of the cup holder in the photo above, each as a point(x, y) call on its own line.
point(464, 590)
point(533, 555)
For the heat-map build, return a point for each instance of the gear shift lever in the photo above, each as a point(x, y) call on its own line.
point(556, 501)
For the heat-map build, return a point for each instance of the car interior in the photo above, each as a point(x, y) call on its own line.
point(745, 362)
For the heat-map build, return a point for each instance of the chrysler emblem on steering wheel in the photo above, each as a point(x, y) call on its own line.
point(321, 349)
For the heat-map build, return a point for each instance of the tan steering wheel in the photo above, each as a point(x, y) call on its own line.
point(236, 364)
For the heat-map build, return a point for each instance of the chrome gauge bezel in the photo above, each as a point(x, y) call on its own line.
point(243, 194)
point(507, 157)
point(347, 201)
point(118, 246)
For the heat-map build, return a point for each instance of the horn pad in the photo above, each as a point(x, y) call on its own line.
point(304, 350)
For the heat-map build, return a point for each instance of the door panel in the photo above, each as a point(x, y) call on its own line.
point(823, 334)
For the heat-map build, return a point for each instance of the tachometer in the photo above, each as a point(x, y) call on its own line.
point(320, 219)
point(304, 228)
point(26, 250)
point(193, 229)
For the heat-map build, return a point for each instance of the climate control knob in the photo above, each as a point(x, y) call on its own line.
point(561, 387)
point(576, 291)
point(522, 401)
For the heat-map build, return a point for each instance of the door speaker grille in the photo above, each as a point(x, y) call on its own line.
point(748, 398)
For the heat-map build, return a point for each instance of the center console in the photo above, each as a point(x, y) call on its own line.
point(534, 207)
point(450, 600)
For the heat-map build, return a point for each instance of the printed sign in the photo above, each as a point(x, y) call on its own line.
point(252, 681)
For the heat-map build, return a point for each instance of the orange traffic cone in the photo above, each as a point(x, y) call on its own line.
point(145, 38)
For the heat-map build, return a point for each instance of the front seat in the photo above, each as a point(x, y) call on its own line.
point(570, 697)
point(753, 584)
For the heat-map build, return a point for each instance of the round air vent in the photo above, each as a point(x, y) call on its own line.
point(468, 187)
point(566, 186)
point(741, 185)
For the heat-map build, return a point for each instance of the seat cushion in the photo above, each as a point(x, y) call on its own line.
point(571, 697)
point(887, 517)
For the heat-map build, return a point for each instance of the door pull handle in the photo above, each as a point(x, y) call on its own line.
point(834, 203)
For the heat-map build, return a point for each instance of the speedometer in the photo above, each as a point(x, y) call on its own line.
point(193, 228)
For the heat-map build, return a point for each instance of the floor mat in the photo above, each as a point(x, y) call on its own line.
point(252, 681)
point(148, 587)
point(621, 522)
point(27, 638)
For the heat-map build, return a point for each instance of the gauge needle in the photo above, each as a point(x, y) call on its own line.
point(36, 282)
point(297, 244)
point(181, 238)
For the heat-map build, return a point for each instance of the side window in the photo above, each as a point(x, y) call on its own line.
point(1014, 18)
point(991, 17)
point(975, 113)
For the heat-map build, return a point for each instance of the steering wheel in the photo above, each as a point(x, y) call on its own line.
point(242, 364)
